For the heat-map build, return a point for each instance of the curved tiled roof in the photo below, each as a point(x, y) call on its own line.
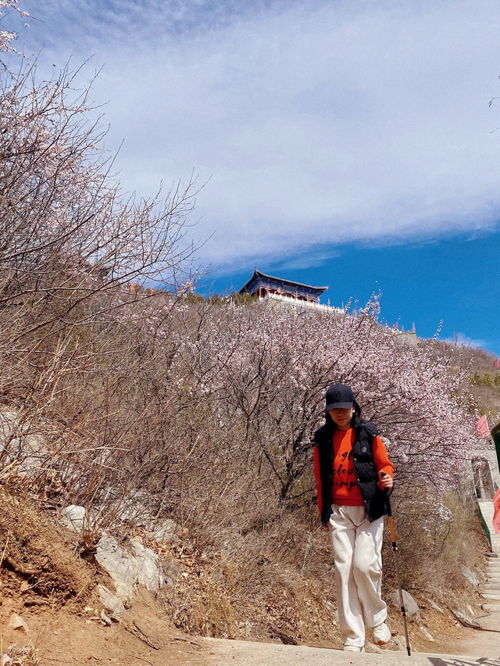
point(289, 283)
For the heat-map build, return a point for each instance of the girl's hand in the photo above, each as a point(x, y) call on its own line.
point(386, 481)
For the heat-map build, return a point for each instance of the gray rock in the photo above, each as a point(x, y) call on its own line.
point(435, 606)
point(119, 565)
point(128, 566)
point(464, 619)
point(73, 516)
point(18, 622)
point(470, 576)
point(411, 606)
point(105, 619)
point(148, 568)
point(426, 633)
point(112, 604)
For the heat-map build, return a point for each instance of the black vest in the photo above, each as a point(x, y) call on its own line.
point(366, 474)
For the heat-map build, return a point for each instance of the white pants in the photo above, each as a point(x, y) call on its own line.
point(357, 552)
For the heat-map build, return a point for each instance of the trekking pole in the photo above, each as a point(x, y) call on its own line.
point(394, 544)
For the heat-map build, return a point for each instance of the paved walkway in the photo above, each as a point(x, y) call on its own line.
point(242, 653)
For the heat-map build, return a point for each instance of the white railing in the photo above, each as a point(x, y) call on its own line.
point(405, 337)
point(289, 300)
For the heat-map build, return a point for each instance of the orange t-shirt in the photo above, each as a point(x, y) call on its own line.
point(345, 489)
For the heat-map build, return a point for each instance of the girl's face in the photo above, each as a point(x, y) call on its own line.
point(342, 417)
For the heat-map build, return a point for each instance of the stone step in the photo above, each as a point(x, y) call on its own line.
point(491, 607)
point(489, 589)
point(491, 597)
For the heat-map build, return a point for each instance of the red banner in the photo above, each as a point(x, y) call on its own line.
point(482, 427)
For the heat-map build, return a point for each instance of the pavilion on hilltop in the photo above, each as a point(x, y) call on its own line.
point(263, 286)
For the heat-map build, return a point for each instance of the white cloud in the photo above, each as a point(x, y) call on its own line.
point(315, 123)
point(461, 340)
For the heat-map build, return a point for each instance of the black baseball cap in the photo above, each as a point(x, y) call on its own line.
point(339, 396)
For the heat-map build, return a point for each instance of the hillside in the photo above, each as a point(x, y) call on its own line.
point(246, 558)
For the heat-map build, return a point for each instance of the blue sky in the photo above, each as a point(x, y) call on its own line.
point(340, 143)
point(450, 281)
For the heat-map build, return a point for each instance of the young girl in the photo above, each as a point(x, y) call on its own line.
point(353, 473)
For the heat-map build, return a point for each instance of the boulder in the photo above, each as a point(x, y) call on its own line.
point(411, 606)
point(112, 604)
point(128, 566)
point(148, 568)
point(119, 565)
point(73, 516)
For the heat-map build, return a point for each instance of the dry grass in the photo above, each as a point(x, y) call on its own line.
point(20, 656)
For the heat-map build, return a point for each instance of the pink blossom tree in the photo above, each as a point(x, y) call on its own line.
point(258, 375)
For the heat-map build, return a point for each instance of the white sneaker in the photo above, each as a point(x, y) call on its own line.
point(353, 648)
point(381, 634)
